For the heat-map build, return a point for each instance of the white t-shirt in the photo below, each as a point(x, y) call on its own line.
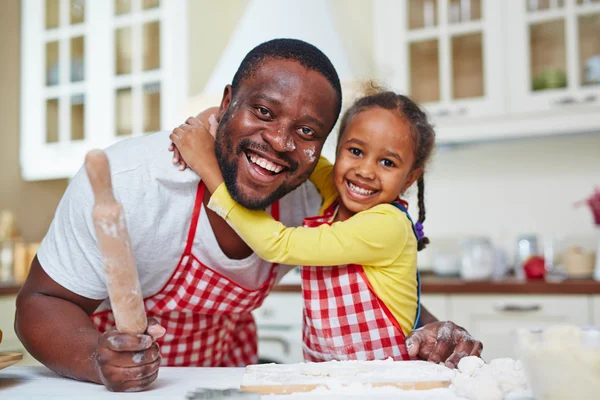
point(158, 200)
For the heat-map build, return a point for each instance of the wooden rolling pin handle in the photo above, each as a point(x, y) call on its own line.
point(115, 248)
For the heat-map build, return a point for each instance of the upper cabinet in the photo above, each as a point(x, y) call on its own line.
point(443, 53)
point(95, 72)
point(554, 53)
point(487, 69)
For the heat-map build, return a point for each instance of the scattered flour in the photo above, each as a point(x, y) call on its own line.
point(310, 154)
point(501, 379)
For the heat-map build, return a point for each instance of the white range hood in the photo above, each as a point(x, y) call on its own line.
point(308, 20)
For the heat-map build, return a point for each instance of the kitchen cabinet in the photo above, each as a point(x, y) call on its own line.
point(487, 70)
point(279, 327)
point(494, 319)
point(554, 54)
point(95, 72)
point(443, 53)
point(437, 304)
point(595, 312)
point(10, 341)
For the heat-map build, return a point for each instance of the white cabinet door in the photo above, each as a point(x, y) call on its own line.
point(446, 54)
point(596, 311)
point(280, 309)
point(553, 55)
point(494, 319)
point(94, 72)
point(437, 304)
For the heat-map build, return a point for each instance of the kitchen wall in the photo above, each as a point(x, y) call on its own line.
point(506, 189)
point(32, 202)
point(211, 24)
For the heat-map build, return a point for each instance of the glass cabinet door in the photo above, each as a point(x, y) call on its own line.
point(137, 68)
point(446, 58)
point(95, 72)
point(555, 60)
point(64, 35)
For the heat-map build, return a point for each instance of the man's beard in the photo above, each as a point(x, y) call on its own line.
point(228, 159)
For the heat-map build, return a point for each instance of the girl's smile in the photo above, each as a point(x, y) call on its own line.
point(374, 161)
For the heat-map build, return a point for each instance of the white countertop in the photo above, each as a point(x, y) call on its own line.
point(172, 383)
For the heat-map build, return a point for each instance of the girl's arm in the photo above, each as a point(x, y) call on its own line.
point(196, 145)
point(374, 237)
point(322, 178)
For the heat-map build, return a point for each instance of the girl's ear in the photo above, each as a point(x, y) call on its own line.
point(412, 178)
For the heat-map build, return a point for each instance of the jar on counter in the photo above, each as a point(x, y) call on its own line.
point(527, 246)
point(478, 259)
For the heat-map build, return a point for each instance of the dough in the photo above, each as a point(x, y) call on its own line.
point(481, 387)
point(470, 365)
point(477, 380)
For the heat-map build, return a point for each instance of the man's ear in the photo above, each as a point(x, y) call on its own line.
point(412, 177)
point(225, 102)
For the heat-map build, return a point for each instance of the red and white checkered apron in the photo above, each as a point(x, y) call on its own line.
point(343, 317)
point(206, 315)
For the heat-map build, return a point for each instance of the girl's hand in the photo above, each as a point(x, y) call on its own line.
point(195, 146)
point(177, 157)
point(207, 118)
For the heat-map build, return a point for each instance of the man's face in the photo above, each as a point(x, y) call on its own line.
point(272, 130)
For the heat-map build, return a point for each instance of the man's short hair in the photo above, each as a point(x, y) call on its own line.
point(290, 49)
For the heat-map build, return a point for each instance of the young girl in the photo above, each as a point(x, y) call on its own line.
point(359, 281)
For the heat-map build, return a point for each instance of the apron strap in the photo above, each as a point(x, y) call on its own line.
point(402, 208)
point(196, 216)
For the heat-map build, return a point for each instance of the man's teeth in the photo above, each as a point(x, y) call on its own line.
point(266, 164)
point(360, 190)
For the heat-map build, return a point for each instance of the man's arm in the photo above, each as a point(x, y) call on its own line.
point(426, 317)
point(54, 325)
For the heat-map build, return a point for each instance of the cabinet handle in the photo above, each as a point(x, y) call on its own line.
point(517, 307)
point(442, 113)
point(284, 343)
point(564, 100)
point(267, 312)
point(589, 99)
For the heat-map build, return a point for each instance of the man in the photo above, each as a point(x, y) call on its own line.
point(199, 279)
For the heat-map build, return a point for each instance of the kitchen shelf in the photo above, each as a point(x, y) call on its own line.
point(9, 290)
point(440, 285)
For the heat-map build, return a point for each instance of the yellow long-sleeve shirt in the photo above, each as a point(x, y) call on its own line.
point(380, 239)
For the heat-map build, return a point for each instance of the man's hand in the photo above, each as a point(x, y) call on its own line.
point(442, 342)
point(129, 363)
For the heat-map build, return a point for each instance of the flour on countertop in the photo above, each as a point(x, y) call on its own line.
point(501, 379)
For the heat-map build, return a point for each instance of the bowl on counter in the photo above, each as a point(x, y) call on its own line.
point(561, 362)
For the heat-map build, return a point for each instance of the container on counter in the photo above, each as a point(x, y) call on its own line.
point(561, 362)
point(527, 246)
point(478, 259)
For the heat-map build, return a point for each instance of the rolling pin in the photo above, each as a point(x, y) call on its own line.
point(114, 243)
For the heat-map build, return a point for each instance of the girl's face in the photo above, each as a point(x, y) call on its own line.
point(374, 160)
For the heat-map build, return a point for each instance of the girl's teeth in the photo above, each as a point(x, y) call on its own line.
point(359, 190)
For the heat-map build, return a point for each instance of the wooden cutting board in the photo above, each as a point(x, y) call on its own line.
point(305, 377)
point(8, 359)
